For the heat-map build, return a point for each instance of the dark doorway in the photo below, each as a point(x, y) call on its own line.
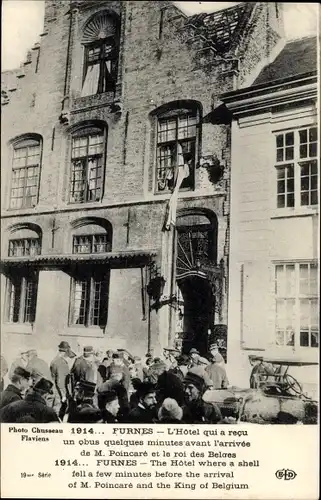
point(198, 313)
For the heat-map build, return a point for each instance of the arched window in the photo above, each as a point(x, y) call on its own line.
point(26, 165)
point(24, 241)
point(88, 157)
point(177, 144)
point(92, 235)
point(196, 241)
point(90, 284)
point(101, 41)
point(22, 282)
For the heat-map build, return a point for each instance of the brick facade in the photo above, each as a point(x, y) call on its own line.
point(163, 58)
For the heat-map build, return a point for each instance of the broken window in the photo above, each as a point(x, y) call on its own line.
point(91, 243)
point(101, 40)
point(87, 165)
point(177, 145)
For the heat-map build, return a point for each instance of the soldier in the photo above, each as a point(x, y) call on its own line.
point(60, 372)
point(33, 408)
point(81, 407)
point(20, 382)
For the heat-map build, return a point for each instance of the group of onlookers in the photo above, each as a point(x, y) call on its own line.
point(117, 387)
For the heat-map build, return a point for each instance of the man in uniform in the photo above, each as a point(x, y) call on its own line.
point(81, 407)
point(20, 382)
point(60, 372)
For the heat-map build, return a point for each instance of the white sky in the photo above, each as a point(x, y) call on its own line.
point(22, 22)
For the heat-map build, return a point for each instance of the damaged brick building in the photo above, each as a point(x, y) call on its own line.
point(115, 99)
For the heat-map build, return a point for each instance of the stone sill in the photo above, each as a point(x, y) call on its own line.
point(17, 328)
point(283, 213)
point(96, 100)
point(76, 331)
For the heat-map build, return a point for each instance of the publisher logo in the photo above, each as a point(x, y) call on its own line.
point(285, 474)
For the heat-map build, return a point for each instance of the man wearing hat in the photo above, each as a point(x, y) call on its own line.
point(196, 411)
point(145, 411)
point(194, 357)
point(20, 382)
point(60, 372)
point(216, 369)
point(118, 366)
point(85, 367)
point(82, 402)
point(33, 407)
point(109, 405)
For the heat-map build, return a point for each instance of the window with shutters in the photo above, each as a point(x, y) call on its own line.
point(22, 296)
point(297, 167)
point(87, 164)
point(101, 44)
point(177, 144)
point(26, 164)
point(297, 311)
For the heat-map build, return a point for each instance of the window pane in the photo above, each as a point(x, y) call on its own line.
point(279, 155)
point(304, 339)
point(281, 201)
point(304, 198)
point(79, 306)
point(279, 141)
point(280, 173)
point(289, 138)
point(290, 200)
point(281, 187)
point(312, 150)
point(305, 183)
point(167, 130)
point(279, 280)
point(290, 280)
point(314, 198)
point(303, 151)
point(30, 300)
point(303, 136)
point(315, 338)
point(279, 340)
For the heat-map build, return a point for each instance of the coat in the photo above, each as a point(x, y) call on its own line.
point(59, 369)
point(142, 415)
point(38, 368)
point(217, 374)
point(84, 369)
point(31, 409)
point(119, 369)
point(169, 385)
point(199, 412)
point(108, 417)
point(9, 395)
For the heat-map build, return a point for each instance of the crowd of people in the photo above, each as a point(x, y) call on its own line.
point(113, 387)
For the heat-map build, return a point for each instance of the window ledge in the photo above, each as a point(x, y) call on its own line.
point(76, 331)
point(283, 213)
point(17, 328)
point(95, 100)
point(186, 194)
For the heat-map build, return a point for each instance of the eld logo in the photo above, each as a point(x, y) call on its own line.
point(285, 474)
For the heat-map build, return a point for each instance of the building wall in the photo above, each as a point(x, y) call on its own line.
point(261, 236)
point(156, 66)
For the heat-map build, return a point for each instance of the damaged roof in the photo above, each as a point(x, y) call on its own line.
point(297, 57)
point(223, 27)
